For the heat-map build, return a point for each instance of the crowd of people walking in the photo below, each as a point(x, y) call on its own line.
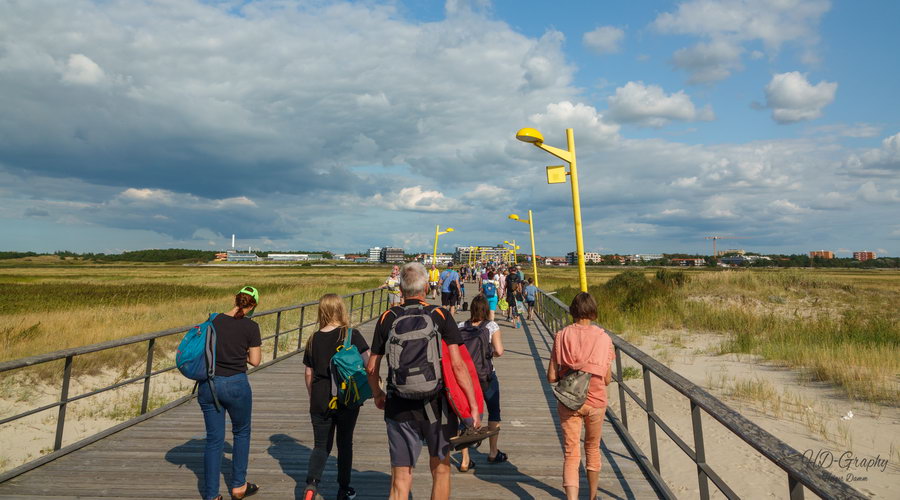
point(427, 351)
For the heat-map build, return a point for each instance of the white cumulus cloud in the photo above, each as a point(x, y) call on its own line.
point(589, 123)
point(604, 39)
point(792, 98)
point(649, 105)
point(709, 62)
point(869, 192)
point(729, 25)
point(81, 69)
point(882, 161)
point(417, 199)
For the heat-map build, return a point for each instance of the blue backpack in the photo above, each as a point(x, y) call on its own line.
point(349, 376)
point(490, 290)
point(196, 356)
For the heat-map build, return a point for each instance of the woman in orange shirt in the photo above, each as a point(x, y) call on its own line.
point(586, 347)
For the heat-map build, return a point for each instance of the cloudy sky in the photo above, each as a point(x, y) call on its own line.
point(340, 125)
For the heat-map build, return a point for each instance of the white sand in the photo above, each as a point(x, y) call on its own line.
point(33, 436)
point(805, 415)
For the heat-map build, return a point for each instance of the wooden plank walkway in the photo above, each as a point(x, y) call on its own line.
point(163, 457)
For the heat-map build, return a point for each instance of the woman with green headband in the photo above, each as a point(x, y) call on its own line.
point(237, 344)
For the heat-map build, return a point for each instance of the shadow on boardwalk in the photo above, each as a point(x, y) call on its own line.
point(507, 474)
point(293, 456)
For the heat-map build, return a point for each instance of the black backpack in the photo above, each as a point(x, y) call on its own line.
point(414, 354)
point(478, 341)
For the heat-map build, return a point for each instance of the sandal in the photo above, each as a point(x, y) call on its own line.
point(471, 436)
point(470, 467)
point(251, 489)
point(500, 457)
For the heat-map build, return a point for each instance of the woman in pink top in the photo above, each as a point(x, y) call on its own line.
point(586, 347)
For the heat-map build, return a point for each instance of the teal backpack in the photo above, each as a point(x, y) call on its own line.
point(349, 376)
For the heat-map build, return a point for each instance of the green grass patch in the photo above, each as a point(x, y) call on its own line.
point(833, 330)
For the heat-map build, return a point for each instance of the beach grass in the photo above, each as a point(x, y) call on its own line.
point(52, 308)
point(840, 326)
point(837, 326)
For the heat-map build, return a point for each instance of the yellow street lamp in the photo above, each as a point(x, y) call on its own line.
point(530, 222)
point(438, 232)
point(512, 250)
point(557, 174)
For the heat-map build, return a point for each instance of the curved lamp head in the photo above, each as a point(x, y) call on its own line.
point(529, 135)
point(449, 230)
point(513, 217)
point(508, 243)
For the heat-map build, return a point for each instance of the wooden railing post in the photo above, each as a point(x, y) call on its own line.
point(63, 396)
point(699, 451)
point(350, 312)
point(795, 488)
point(362, 308)
point(277, 333)
point(648, 391)
point(300, 329)
point(147, 371)
point(621, 379)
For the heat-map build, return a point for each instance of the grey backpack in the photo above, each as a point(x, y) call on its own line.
point(572, 389)
point(414, 354)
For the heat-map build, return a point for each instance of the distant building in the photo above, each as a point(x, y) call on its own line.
point(864, 256)
point(352, 256)
point(617, 259)
point(644, 257)
point(241, 257)
point(375, 255)
point(498, 253)
point(592, 257)
point(361, 260)
point(555, 261)
point(734, 260)
point(443, 259)
point(315, 256)
point(339, 256)
point(390, 255)
point(222, 256)
point(822, 254)
point(689, 262)
point(288, 257)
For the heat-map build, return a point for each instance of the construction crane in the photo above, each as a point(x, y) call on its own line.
point(715, 238)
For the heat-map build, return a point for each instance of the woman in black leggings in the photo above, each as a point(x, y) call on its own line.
point(329, 419)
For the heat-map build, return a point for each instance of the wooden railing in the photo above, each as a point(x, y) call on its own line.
point(363, 306)
point(801, 472)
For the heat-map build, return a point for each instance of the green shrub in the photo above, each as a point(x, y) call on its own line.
point(671, 278)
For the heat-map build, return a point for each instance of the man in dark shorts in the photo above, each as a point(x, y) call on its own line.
point(410, 422)
point(450, 290)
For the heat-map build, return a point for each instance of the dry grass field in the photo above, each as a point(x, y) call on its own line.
point(57, 307)
point(839, 326)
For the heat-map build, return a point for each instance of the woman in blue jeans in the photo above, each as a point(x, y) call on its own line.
point(237, 344)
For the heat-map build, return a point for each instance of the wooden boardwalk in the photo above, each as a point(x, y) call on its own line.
point(163, 456)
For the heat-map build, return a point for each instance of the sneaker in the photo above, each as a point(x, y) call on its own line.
point(311, 494)
point(348, 494)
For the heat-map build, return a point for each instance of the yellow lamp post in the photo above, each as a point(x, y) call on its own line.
point(530, 222)
point(438, 232)
point(557, 174)
point(512, 250)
